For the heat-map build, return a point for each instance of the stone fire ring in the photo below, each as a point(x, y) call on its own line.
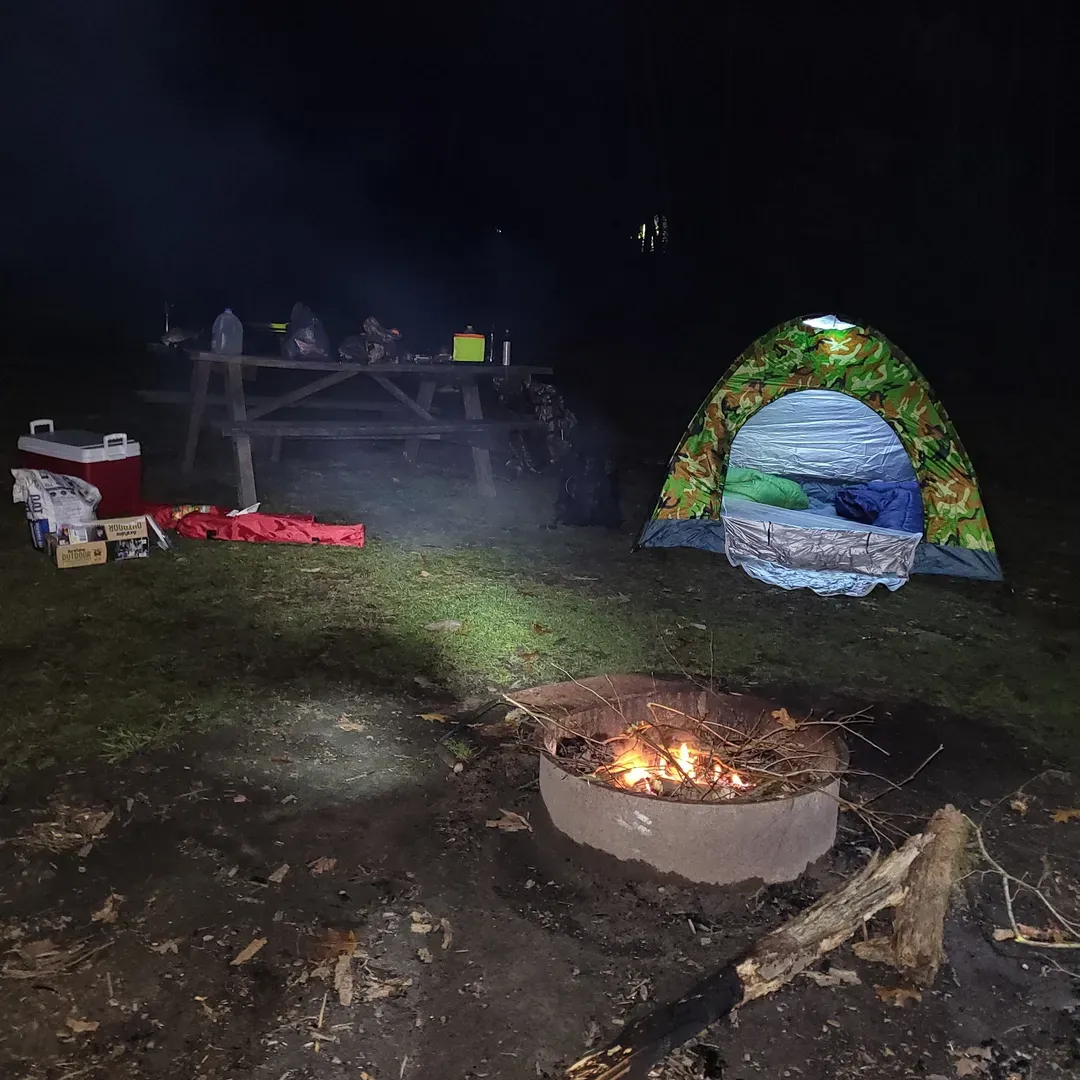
point(770, 840)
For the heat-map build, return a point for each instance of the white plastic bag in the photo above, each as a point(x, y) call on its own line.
point(53, 500)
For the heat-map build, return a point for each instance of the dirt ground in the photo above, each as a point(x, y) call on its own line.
point(121, 943)
point(182, 909)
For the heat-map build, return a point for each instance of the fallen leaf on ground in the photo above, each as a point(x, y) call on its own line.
point(343, 979)
point(1040, 933)
point(438, 717)
point(170, 946)
point(1001, 933)
point(785, 719)
point(278, 876)
point(1019, 804)
point(973, 1061)
point(333, 943)
point(510, 822)
point(281, 760)
point(377, 989)
point(528, 655)
point(424, 573)
point(1065, 816)
point(877, 950)
point(239, 798)
point(447, 933)
point(424, 956)
point(538, 628)
point(70, 828)
point(697, 626)
point(108, 912)
point(834, 977)
point(445, 626)
point(422, 922)
point(83, 1027)
point(93, 822)
point(345, 724)
point(248, 952)
point(898, 996)
point(322, 865)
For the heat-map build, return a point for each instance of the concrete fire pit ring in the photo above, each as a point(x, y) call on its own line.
point(723, 843)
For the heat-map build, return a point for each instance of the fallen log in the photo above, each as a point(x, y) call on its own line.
point(919, 918)
point(779, 956)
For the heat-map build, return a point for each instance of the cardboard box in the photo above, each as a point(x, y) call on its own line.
point(112, 540)
point(68, 555)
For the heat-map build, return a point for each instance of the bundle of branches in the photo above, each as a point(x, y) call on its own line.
point(704, 759)
point(916, 880)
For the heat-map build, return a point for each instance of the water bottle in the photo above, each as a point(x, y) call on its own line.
point(228, 334)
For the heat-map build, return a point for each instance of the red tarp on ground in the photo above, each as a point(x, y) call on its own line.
point(213, 523)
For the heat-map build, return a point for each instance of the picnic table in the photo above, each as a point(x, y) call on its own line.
point(414, 422)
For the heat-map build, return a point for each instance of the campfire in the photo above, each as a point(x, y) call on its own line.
point(698, 759)
point(661, 762)
point(714, 786)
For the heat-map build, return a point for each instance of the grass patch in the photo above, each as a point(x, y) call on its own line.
point(460, 748)
point(110, 660)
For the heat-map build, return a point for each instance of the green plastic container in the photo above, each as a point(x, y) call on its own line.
point(469, 348)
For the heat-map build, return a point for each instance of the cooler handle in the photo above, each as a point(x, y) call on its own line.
point(36, 425)
point(117, 440)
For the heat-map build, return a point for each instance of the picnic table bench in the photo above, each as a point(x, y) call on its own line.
point(247, 417)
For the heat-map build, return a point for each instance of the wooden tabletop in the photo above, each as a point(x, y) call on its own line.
point(450, 370)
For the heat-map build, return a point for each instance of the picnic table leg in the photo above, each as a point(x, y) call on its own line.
point(424, 400)
point(245, 469)
point(200, 382)
point(481, 456)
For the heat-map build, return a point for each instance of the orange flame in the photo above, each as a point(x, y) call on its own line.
point(686, 761)
point(642, 768)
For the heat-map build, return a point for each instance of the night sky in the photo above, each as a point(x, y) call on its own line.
point(914, 169)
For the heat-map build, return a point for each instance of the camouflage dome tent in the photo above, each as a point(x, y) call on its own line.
point(837, 408)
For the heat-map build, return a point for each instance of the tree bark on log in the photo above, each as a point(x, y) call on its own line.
point(919, 919)
point(779, 956)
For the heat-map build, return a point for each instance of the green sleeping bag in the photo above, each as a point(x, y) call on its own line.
point(762, 487)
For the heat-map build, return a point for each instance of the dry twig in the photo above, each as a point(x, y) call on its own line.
point(1007, 881)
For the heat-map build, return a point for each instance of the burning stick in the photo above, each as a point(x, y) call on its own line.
point(917, 877)
point(702, 759)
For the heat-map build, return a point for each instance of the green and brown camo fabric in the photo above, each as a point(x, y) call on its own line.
point(860, 362)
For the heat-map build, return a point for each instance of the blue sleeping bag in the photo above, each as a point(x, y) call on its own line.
point(888, 504)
